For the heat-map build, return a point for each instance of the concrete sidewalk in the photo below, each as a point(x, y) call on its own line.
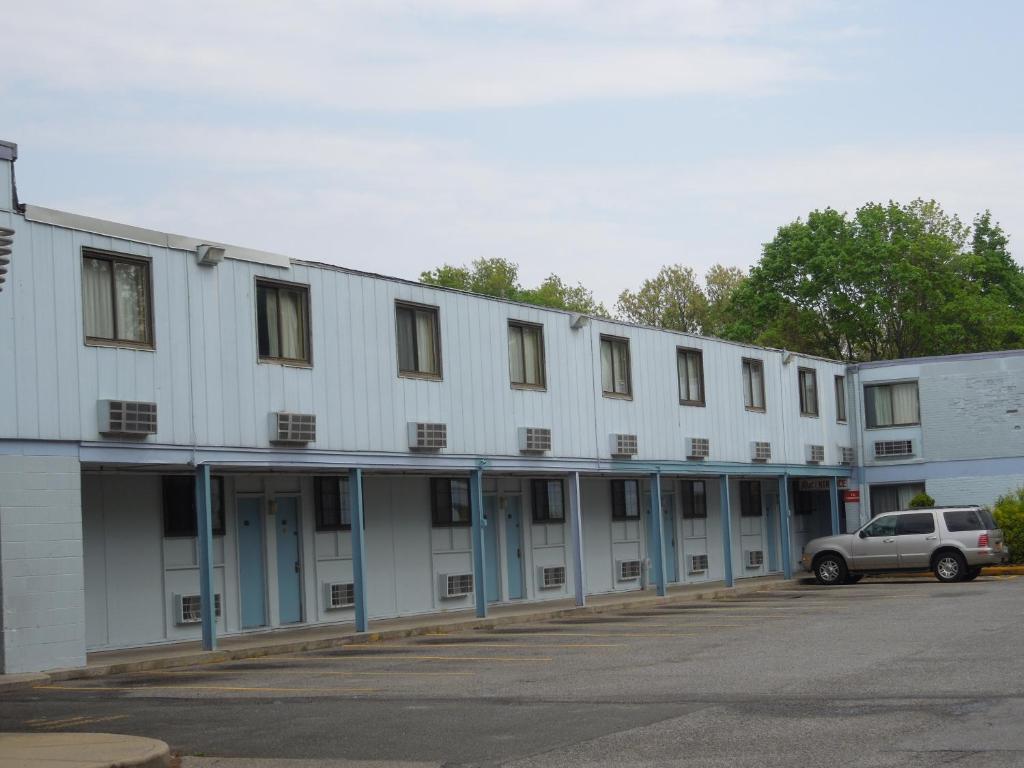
point(282, 641)
point(81, 750)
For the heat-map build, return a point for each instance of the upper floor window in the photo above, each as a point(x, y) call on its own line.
point(891, 405)
point(548, 501)
point(449, 502)
point(808, 379)
point(330, 500)
point(615, 377)
point(750, 498)
point(695, 500)
point(841, 398)
point(282, 321)
point(625, 499)
point(526, 355)
point(690, 366)
point(179, 497)
point(419, 341)
point(116, 299)
point(753, 384)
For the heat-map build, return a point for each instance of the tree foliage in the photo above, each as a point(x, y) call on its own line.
point(674, 299)
point(890, 281)
point(500, 277)
point(922, 501)
point(1009, 515)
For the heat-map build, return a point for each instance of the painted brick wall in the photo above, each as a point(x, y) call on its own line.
point(43, 593)
point(972, 490)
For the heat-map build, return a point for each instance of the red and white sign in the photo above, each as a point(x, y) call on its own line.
point(851, 496)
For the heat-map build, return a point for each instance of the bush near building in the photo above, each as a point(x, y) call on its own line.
point(1009, 514)
point(922, 501)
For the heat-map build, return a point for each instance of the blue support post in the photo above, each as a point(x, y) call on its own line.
point(579, 579)
point(727, 532)
point(833, 494)
point(358, 518)
point(204, 531)
point(787, 555)
point(658, 536)
point(476, 504)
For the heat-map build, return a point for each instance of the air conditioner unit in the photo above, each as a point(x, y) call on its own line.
point(534, 439)
point(127, 418)
point(188, 608)
point(292, 428)
point(624, 445)
point(889, 448)
point(628, 570)
point(427, 436)
point(815, 454)
point(754, 558)
point(455, 584)
point(846, 455)
point(760, 451)
point(339, 595)
point(698, 447)
point(550, 576)
point(698, 563)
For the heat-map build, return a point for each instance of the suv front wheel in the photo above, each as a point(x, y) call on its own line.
point(950, 566)
point(830, 569)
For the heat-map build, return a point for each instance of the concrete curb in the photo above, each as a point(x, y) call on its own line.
point(81, 750)
point(26, 680)
point(297, 646)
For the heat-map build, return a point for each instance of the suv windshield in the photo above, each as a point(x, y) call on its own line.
point(958, 520)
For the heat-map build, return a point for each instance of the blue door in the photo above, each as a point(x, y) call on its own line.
point(289, 567)
point(671, 557)
point(491, 548)
point(514, 547)
point(251, 581)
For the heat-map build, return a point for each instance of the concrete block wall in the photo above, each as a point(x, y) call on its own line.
point(42, 591)
point(972, 489)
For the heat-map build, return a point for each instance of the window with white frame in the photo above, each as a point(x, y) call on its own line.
point(753, 384)
point(690, 367)
point(282, 321)
point(891, 405)
point(615, 373)
point(116, 299)
point(548, 499)
point(808, 380)
point(890, 498)
point(449, 501)
point(695, 500)
point(526, 355)
point(625, 499)
point(179, 506)
point(750, 498)
point(840, 398)
point(419, 341)
point(331, 502)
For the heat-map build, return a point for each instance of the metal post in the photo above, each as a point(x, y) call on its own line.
point(787, 555)
point(576, 532)
point(658, 536)
point(355, 495)
point(476, 504)
point(726, 531)
point(833, 493)
point(204, 530)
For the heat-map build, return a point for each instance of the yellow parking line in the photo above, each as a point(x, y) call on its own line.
point(407, 657)
point(317, 672)
point(616, 634)
point(75, 722)
point(197, 688)
point(472, 644)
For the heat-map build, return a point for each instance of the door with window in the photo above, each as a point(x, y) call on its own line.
point(875, 547)
point(915, 539)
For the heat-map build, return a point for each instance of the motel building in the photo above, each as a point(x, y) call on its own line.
point(200, 440)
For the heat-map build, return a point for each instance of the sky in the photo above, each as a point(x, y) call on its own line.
point(595, 140)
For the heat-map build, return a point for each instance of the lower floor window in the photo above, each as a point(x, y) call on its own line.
point(449, 499)
point(548, 501)
point(889, 498)
point(330, 497)
point(179, 492)
point(750, 498)
point(695, 500)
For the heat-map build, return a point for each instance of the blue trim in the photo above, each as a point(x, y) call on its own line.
point(204, 529)
point(833, 500)
point(726, 531)
point(787, 541)
point(576, 533)
point(476, 504)
point(657, 536)
point(936, 470)
point(355, 491)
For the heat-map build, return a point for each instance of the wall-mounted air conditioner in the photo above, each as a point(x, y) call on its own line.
point(698, 448)
point(188, 608)
point(846, 455)
point(698, 563)
point(550, 576)
point(292, 428)
point(455, 585)
point(127, 418)
point(534, 439)
point(339, 595)
point(427, 436)
point(815, 454)
point(754, 558)
point(760, 451)
point(623, 446)
point(628, 570)
point(885, 449)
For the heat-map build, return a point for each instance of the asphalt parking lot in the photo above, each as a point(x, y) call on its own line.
point(889, 672)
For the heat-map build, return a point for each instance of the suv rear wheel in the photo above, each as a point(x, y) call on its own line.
point(950, 566)
point(830, 569)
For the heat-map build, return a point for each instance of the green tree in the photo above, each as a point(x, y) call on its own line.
point(556, 293)
point(1009, 516)
point(922, 501)
point(671, 299)
point(721, 284)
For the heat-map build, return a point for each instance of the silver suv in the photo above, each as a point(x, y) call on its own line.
point(953, 542)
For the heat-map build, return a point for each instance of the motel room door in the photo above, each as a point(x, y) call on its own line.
point(251, 578)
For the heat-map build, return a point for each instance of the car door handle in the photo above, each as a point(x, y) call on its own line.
point(888, 541)
point(930, 538)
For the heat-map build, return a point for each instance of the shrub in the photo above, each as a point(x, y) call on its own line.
point(922, 501)
point(1009, 515)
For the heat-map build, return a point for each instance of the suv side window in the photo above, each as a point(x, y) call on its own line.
point(922, 522)
point(960, 520)
point(881, 526)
